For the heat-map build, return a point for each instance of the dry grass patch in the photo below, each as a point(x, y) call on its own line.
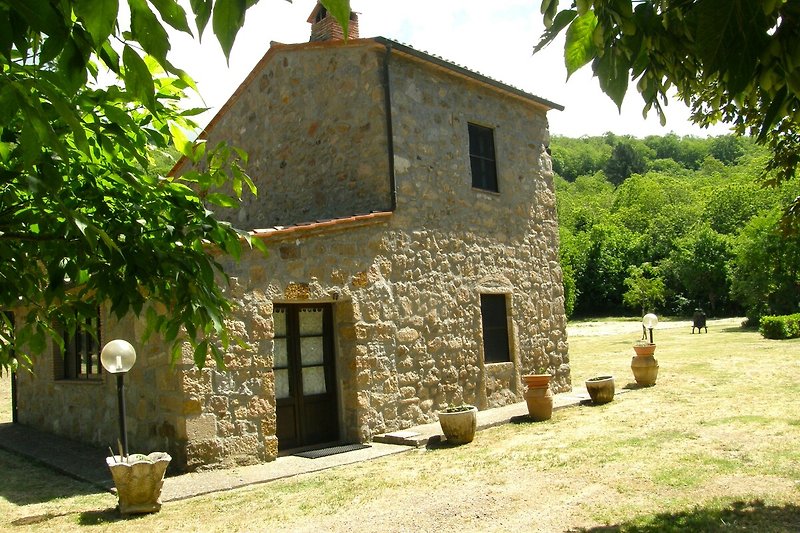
point(712, 447)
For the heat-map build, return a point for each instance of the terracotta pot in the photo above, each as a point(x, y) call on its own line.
point(536, 380)
point(647, 349)
point(601, 389)
point(139, 481)
point(645, 369)
point(538, 396)
point(459, 427)
point(540, 403)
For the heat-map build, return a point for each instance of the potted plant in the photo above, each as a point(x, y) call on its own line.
point(601, 389)
point(459, 423)
point(538, 396)
point(139, 479)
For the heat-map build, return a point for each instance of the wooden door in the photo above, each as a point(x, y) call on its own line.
point(305, 375)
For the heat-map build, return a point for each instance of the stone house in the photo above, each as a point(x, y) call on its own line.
point(409, 210)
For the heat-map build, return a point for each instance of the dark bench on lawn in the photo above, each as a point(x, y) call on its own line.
point(699, 320)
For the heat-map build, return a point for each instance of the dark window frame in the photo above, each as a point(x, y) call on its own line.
point(80, 359)
point(495, 327)
point(482, 158)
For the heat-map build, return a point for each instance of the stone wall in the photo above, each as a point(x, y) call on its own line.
point(312, 119)
point(465, 235)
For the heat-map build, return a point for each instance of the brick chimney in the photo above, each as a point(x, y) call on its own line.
point(325, 28)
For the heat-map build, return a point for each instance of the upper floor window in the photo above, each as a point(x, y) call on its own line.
point(81, 356)
point(494, 319)
point(481, 158)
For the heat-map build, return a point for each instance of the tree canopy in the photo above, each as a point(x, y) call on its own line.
point(679, 235)
point(686, 46)
point(89, 103)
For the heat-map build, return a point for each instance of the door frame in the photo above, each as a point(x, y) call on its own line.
point(297, 401)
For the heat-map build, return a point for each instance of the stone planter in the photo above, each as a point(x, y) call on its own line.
point(139, 480)
point(538, 396)
point(459, 424)
point(601, 389)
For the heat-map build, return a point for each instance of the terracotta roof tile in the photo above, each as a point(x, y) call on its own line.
point(304, 229)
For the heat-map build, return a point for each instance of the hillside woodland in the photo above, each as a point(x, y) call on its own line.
point(668, 224)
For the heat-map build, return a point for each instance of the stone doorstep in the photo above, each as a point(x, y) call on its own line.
point(420, 436)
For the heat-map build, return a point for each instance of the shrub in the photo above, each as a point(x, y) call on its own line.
point(780, 327)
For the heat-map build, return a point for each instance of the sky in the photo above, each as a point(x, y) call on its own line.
point(495, 38)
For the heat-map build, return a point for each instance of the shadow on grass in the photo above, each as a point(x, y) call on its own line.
point(737, 516)
point(86, 518)
point(25, 482)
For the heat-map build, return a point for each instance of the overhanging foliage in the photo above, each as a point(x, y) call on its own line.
point(736, 61)
point(87, 104)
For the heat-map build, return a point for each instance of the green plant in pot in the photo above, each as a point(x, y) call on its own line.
point(459, 423)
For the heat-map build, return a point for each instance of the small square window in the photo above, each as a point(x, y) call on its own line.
point(81, 356)
point(482, 158)
point(495, 328)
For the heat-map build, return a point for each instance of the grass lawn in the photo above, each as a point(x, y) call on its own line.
point(712, 447)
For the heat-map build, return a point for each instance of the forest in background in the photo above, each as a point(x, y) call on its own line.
point(668, 224)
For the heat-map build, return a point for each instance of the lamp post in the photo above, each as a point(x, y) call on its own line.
point(649, 321)
point(117, 357)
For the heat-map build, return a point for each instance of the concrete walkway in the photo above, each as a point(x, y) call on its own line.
point(87, 463)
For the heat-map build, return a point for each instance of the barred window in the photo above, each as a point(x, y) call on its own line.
point(81, 356)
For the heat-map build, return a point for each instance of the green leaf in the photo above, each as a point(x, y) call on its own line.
point(173, 14)
point(138, 79)
point(222, 200)
point(179, 139)
point(772, 113)
point(202, 14)
point(99, 17)
point(66, 110)
point(228, 19)
point(51, 47)
point(340, 9)
point(612, 72)
point(579, 48)
point(5, 151)
point(561, 21)
point(110, 57)
point(41, 15)
point(721, 26)
point(147, 30)
point(5, 33)
point(72, 64)
point(200, 354)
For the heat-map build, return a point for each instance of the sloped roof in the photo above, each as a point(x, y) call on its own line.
point(464, 71)
point(407, 50)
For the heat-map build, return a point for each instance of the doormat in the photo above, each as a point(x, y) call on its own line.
point(325, 452)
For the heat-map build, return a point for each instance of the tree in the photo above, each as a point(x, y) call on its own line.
point(685, 45)
point(645, 288)
point(87, 102)
point(610, 249)
point(726, 149)
point(628, 156)
point(765, 270)
point(699, 263)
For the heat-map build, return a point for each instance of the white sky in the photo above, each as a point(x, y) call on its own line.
point(494, 38)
